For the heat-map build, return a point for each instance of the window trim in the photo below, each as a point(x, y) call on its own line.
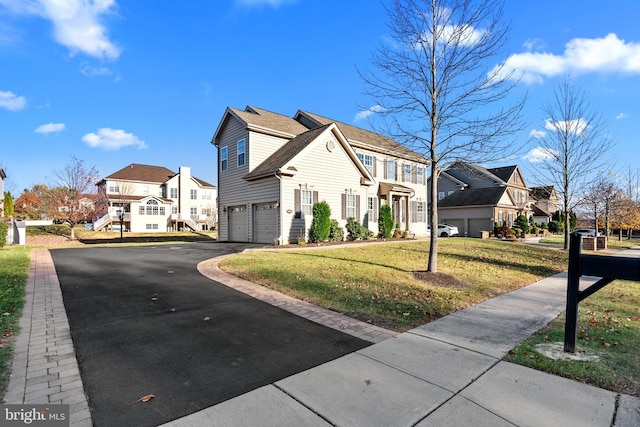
point(241, 154)
point(224, 159)
point(306, 203)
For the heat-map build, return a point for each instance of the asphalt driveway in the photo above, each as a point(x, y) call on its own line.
point(144, 321)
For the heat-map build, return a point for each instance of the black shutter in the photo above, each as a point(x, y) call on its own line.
point(298, 209)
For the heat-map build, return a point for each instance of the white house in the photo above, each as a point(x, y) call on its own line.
point(272, 168)
point(153, 198)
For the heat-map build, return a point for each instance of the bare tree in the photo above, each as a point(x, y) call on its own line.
point(575, 145)
point(70, 199)
point(603, 199)
point(436, 87)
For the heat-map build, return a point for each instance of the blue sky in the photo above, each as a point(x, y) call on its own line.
point(115, 82)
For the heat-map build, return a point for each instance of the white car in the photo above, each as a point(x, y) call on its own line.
point(446, 230)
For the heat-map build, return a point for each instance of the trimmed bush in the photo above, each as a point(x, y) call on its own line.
point(385, 221)
point(555, 227)
point(319, 229)
point(503, 231)
point(523, 223)
point(336, 233)
point(356, 231)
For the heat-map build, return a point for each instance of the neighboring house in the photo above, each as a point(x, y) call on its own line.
point(154, 198)
point(546, 203)
point(3, 176)
point(272, 169)
point(475, 199)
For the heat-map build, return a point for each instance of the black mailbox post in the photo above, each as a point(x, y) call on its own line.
point(609, 268)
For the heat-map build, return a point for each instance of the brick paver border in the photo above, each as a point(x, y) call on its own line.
point(45, 368)
point(331, 319)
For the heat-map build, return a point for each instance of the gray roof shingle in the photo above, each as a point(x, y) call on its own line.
point(489, 196)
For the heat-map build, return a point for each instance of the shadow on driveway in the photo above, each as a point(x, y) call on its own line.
point(144, 321)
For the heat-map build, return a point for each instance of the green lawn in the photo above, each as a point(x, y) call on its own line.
point(608, 327)
point(376, 283)
point(14, 269)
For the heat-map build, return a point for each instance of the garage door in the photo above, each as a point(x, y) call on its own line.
point(458, 223)
point(238, 227)
point(265, 222)
point(476, 225)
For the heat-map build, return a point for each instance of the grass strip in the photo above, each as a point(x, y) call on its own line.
point(14, 270)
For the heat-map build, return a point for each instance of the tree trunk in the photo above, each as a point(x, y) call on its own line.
point(433, 218)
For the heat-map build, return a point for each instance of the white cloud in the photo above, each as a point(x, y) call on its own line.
point(91, 71)
point(76, 23)
point(533, 44)
point(273, 3)
point(112, 139)
point(50, 128)
point(537, 133)
point(622, 116)
point(539, 155)
point(576, 126)
point(12, 102)
point(366, 113)
point(608, 54)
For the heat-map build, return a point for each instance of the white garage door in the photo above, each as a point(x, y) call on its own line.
point(265, 222)
point(476, 225)
point(238, 227)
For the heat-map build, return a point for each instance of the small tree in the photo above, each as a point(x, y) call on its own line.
point(69, 200)
point(3, 234)
point(8, 204)
point(574, 144)
point(385, 221)
point(321, 223)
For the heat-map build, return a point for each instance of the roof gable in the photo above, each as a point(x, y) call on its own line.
point(274, 164)
point(362, 137)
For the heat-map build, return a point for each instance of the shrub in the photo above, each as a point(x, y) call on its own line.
point(356, 231)
point(523, 223)
point(319, 229)
point(385, 221)
point(555, 227)
point(543, 225)
point(4, 228)
point(336, 233)
point(503, 231)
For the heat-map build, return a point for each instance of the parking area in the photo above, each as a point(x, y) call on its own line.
point(144, 321)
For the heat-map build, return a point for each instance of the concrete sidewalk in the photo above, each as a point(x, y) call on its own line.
point(445, 373)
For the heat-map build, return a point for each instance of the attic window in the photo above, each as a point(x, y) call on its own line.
point(292, 168)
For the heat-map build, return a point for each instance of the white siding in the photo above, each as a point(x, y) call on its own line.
point(329, 173)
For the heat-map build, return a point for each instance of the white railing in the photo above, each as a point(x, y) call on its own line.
point(112, 216)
